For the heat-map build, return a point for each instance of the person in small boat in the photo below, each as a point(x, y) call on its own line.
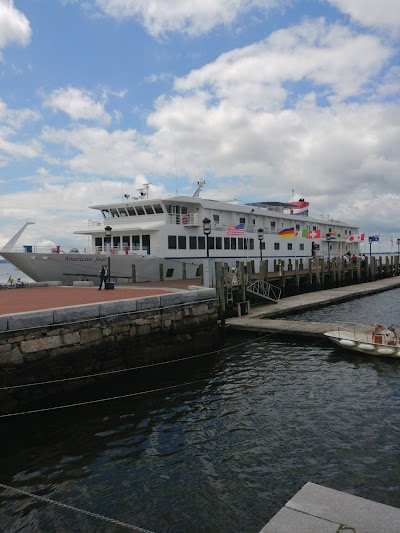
point(103, 277)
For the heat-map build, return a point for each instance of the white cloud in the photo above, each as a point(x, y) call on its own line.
point(78, 104)
point(12, 121)
point(382, 13)
point(329, 57)
point(193, 17)
point(14, 26)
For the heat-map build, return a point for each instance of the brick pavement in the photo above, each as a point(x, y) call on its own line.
point(36, 298)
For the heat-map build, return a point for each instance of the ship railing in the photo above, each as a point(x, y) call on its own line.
point(97, 250)
point(185, 219)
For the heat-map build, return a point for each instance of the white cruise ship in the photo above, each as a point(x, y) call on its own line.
point(149, 239)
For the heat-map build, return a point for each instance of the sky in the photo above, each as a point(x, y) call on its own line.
point(258, 97)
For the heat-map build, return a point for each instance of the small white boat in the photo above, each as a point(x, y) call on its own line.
point(378, 341)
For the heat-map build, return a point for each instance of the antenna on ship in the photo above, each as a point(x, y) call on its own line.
point(176, 178)
point(144, 191)
point(200, 185)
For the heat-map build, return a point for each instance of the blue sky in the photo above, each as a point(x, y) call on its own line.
point(259, 97)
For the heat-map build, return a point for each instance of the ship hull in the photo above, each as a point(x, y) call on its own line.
point(123, 268)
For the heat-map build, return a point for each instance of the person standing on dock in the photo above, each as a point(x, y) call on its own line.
point(103, 277)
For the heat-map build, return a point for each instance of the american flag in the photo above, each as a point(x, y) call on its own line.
point(235, 230)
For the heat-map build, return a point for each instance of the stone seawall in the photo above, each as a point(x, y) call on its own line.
point(55, 344)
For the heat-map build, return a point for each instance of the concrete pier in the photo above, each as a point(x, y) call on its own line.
point(318, 509)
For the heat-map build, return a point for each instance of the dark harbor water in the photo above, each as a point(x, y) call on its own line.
point(221, 454)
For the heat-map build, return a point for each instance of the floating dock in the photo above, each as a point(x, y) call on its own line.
point(265, 318)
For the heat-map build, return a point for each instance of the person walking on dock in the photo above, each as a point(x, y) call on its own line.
point(103, 277)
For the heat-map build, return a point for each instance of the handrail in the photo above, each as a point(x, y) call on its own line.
point(265, 289)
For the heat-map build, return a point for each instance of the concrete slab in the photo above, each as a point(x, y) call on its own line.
point(318, 506)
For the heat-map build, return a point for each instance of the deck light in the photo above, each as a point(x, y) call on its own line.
point(370, 246)
point(207, 231)
point(261, 238)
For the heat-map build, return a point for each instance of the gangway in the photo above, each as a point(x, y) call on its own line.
point(264, 290)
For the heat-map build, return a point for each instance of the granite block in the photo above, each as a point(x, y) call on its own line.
point(150, 302)
point(117, 307)
point(30, 320)
point(76, 313)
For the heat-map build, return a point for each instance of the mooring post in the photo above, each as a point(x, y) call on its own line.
point(317, 274)
point(221, 291)
point(263, 270)
point(296, 276)
point(334, 271)
point(282, 275)
point(310, 267)
point(358, 269)
point(242, 278)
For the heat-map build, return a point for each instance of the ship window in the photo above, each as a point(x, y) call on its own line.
point(193, 243)
point(273, 224)
point(116, 242)
point(211, 243)
point(301, 246)
point(135, 242)
point(126, 241)
point(170, 273)
point(216, 218)
point(201, 243)
point(184, 210)
point(131, 211)
point(197, 272)
point(114, 212)
point(149, 209)
point(122, 212)
point(182, 242)
point(233, 243)
point(172, 242)
point(245, 243)
point(240, 243)
point(251, 243)
point(218, 243)
point(314, 228)
point(106, 213)
point(242, 220)
point(98, 242)
point(227, 243)
point(158, 208)
point(140, 210)
point(146, 242)
point(289, 246)
point(276, 245)
point(297, 227)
